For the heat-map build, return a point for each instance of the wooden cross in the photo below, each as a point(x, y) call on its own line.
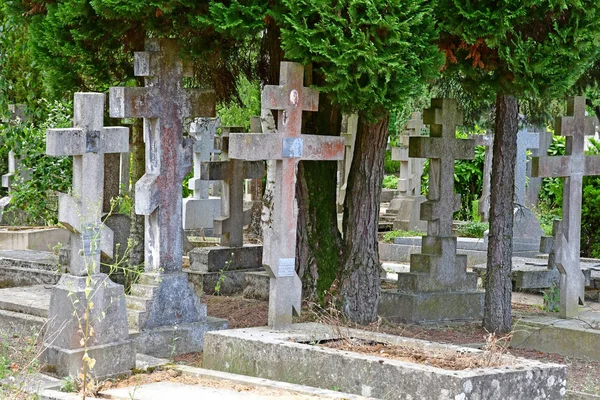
point(80, 213)
point(230, 225)
point(572, 166)
point(288, 146)
point(163, 104)
point(442, 148)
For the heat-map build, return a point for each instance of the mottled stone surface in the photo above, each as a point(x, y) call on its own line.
point(288, 146)
point(483, 203)
point(348, 132)
point(572, 166)
point(437, 273)
point(291, 356)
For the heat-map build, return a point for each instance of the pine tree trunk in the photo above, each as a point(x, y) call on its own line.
point(318, 238)
point(138, 168)
point(498, 284)
point(361, 269)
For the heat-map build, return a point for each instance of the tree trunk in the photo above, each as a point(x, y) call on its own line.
point(361, 268)
point(498, 284)
point(318, 238)
point(138, 168)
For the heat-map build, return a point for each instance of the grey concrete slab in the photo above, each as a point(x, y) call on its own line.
point(31, 300)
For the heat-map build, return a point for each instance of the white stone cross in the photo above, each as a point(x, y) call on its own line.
point(525, 140)
point(572, 166)
point(483, 204)
point(288, 146)
point(411, 169)
point(81, 211)
point(230, 225)
point(163, 104)
point(442, 148)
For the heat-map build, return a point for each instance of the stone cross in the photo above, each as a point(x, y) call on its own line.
point(232, 172)
point(348, 132)
point(411, 169)
point(535, 184)
point(80, 212)
point(288, 146)
point(572, 166)
point(442, 148)
point(17, 113)
point(163, 104)
point(483, 204)
point(525, 140)
point(200, 210)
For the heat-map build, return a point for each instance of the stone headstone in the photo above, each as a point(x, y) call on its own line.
point(572, 166)
point(169, 302)
point(348, 132)
point(483, 203)
point(287, 147)
point(200, 210)
point(68, 336)
point(407, 206)
point(438, 286)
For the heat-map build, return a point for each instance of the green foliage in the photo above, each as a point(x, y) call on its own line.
point(390, 182)
point(551, 298)
point(36, 195)
point(473, 229)
point(239, 113)
point(388, 237)
point(528, 48)
point(373, 55)
point(590, 223)
point(390, 166)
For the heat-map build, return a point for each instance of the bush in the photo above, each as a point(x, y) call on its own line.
point(390, 182)
point(389, 236)
point(473, 229)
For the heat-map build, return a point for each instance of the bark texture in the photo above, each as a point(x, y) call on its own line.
point(498, 284)
point(138, 168)
point(318, 242)
point(361, 269)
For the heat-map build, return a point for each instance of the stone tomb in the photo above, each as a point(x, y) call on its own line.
point(68, 336)
point(200, 210)
point(438, 287)
point(572, 166)
point(407, 205)
point(297, 356)
point(163, 305)
point(288, 146)
point(232, 259)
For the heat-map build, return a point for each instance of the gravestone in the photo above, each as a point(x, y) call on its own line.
point(407, 205)
point(438, 286)
point(83, 289)
point(287, 147)
point(200, 210)
point(483, 203)
point(572, 166)
point(348, 132)
point(535, 184)
point(164, 305)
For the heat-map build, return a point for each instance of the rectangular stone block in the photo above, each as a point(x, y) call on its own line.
point(214, 259)
point(292, 356)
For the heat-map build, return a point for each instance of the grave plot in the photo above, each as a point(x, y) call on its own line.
point(304, 353)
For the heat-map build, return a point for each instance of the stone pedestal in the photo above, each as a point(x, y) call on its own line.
point(108, 339)
point(408, 210)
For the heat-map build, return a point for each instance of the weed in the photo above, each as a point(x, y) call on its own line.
point(552, 298)
point(473, 229)
point(390, 182)
point(389, 236)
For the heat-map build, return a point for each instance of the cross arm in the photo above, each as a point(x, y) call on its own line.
point(133, 102)
point(147, 195)
point(115, 139)
point(432, 147)
point(546, 167)
point(278, 98)
point(65, 142)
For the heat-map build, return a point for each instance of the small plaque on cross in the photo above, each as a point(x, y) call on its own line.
point(91, 239)
point(286, 267)
point(292, 147)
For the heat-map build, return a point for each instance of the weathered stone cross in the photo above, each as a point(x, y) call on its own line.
point(442, 148)
point(230, 226)
point(288, 146)
point(525, 140)
point(411, 169)
point(572, 166)
point(483, 204)
point(87, 142)
point(163, 104)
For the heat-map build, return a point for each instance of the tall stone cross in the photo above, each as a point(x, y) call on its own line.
point(17, 114)
point(525, 140)
point(163, 104)
point(442, 148)
point(80, 212)
point(572, 166)
point(483, 203)
point(288, 146)
point(230, 225)
point(411, 169)
point(348, 132)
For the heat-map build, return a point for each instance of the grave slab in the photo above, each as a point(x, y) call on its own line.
point(32, 238)
point(293, 356)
